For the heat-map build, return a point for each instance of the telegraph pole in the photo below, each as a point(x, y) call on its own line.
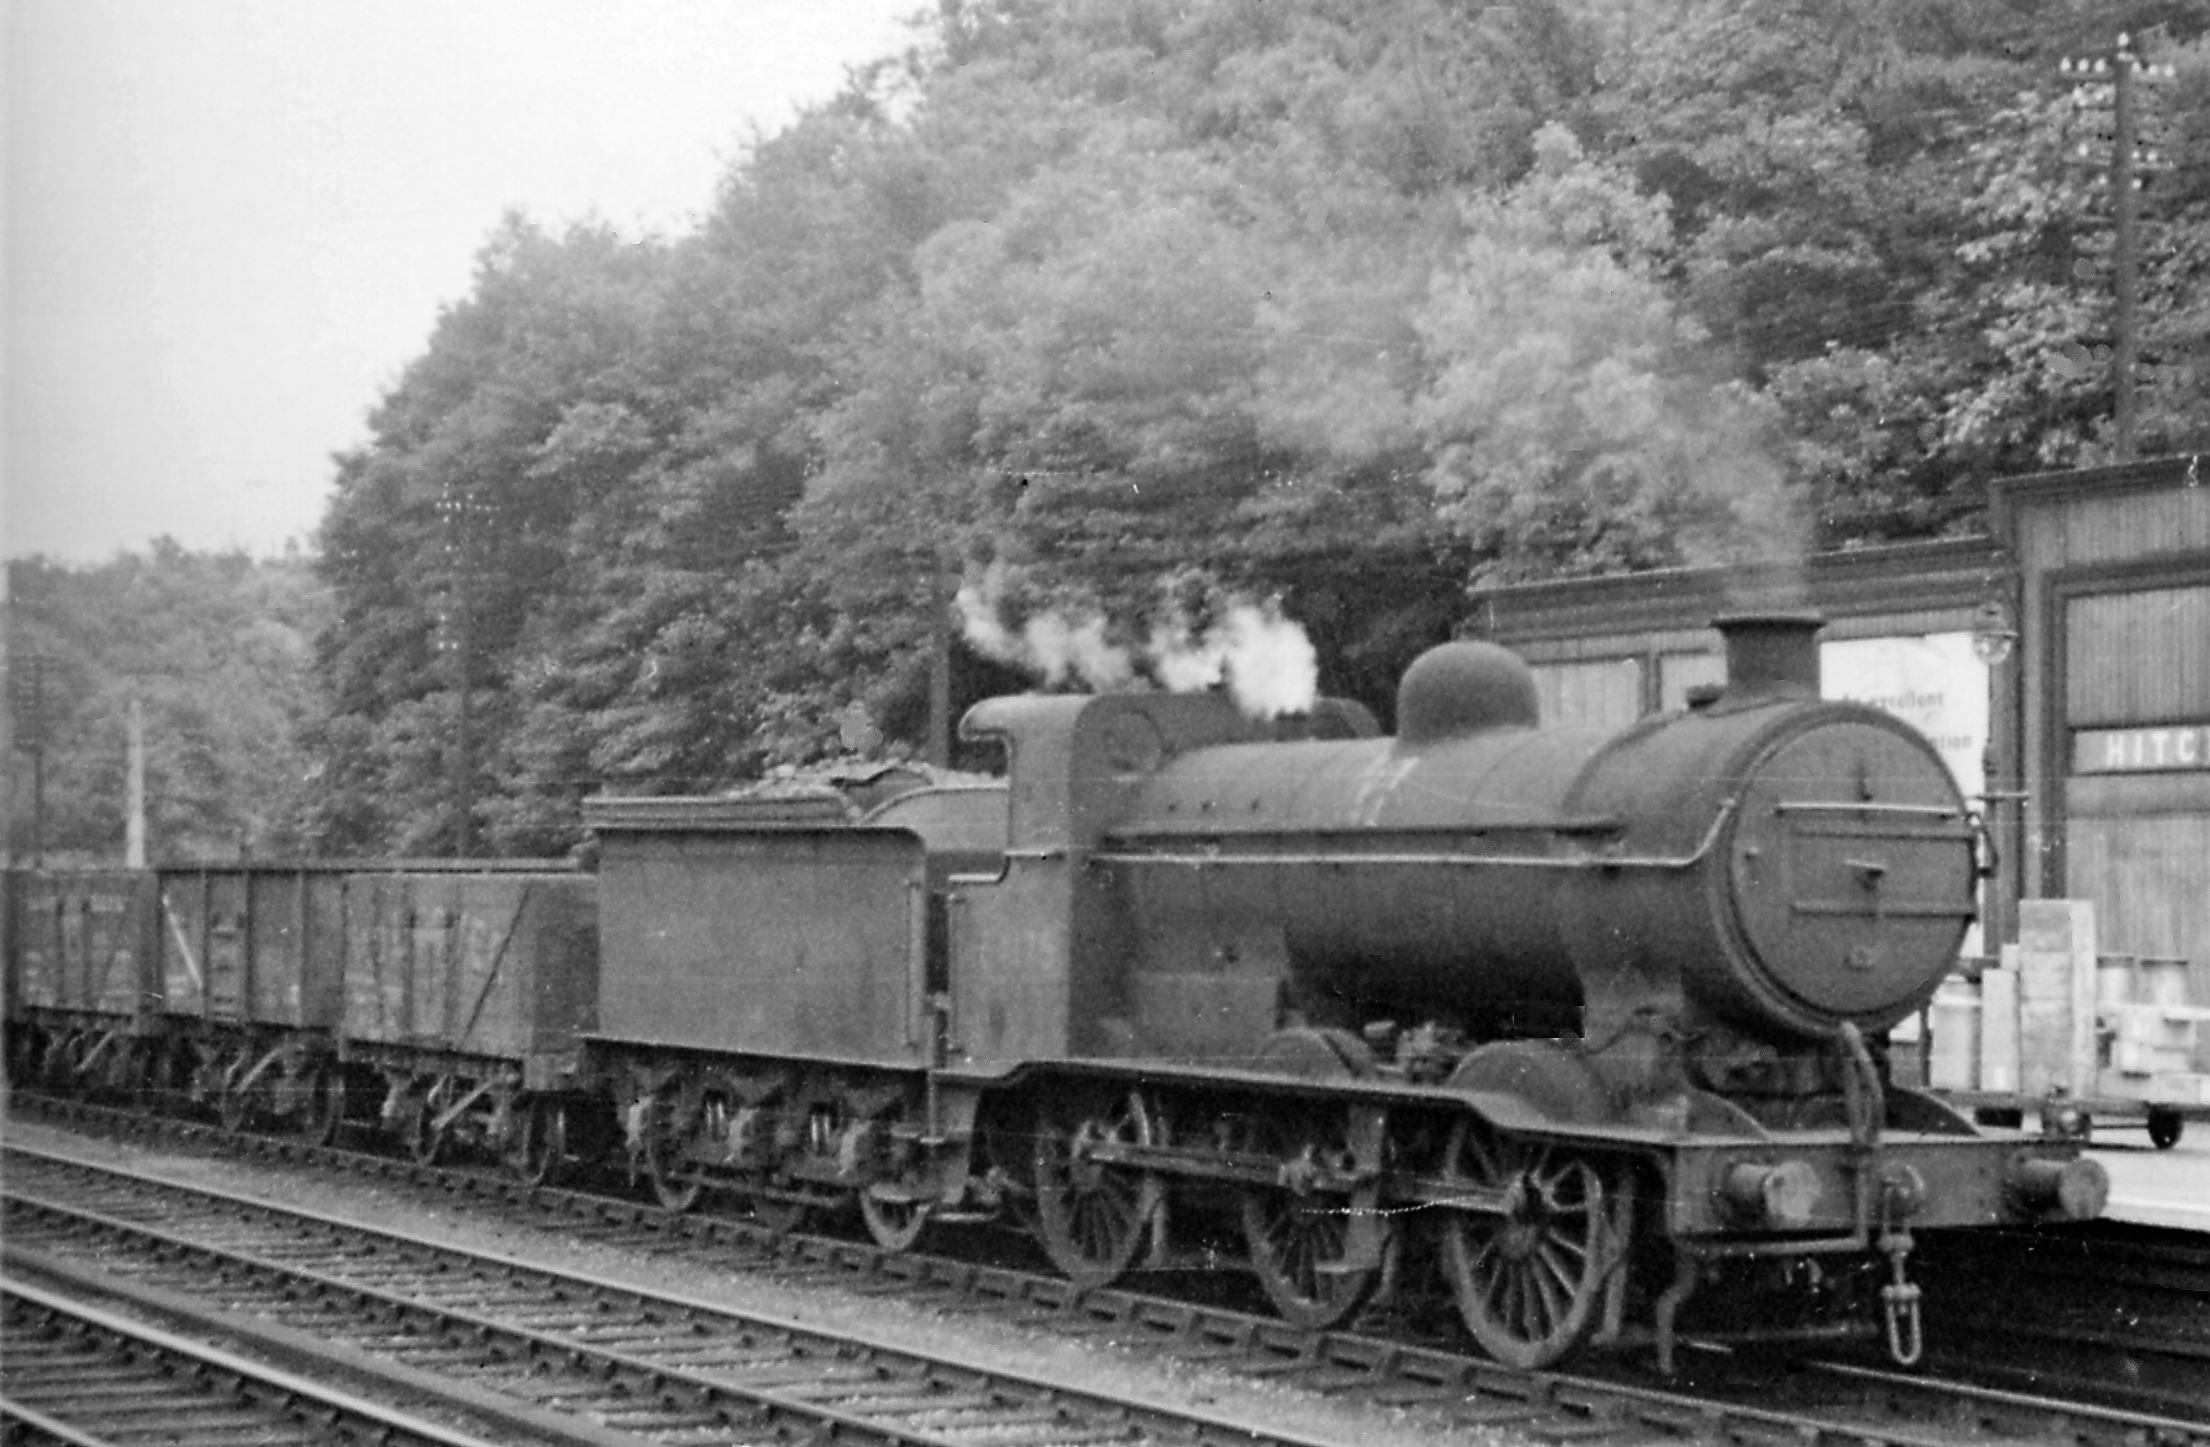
point(28, 707)
point(457, 637)
point(2123, 71)
point(2126, 247)
point(940, 668)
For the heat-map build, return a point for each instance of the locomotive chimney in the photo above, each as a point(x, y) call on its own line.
point(1771, 654)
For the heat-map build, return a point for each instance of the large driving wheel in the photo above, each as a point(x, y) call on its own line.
point(1528, 1278)
point(1094, 1217)
point(1318, 1253)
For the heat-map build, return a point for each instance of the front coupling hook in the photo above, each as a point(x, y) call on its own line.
point(1899, 1303)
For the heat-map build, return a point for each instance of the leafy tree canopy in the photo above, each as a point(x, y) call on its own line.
point(1127, 318)
point(215, 651)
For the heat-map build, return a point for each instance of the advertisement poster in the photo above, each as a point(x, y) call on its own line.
point(1935, 683)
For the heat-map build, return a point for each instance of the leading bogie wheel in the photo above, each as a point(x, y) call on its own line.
point(1529, 1276)
point(1094, 1216)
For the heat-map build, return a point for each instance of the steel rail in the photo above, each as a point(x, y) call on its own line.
point(1401, 1372)
point(75, 1373)
point(779, 1377)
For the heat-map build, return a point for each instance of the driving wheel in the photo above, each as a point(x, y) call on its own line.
point(1528, 1276)
point(1319, 1253)
point(1094, 1216)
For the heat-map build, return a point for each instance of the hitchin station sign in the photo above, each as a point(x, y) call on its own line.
point(2155, 748)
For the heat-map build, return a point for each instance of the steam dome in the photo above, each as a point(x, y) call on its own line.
point(1463, 687)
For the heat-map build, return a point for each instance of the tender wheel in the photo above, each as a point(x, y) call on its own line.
point(325, 1106)
point(780, 1215)
point(2165, 1126)
point(676, 1183)
point(1319, 1254)
point(1093, 1217)
point(895, 1221)
point(1528, 1280)
point(897, 1207)
point(539, 1146)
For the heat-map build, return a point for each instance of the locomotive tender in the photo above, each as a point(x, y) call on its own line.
point(1577, 1020)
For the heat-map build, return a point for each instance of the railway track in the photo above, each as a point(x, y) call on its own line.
point(72, 1373)
point(2123, 1306)
point(650, 1367)
point(1721, 1396)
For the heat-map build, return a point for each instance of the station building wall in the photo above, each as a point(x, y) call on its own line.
point(2109, 718)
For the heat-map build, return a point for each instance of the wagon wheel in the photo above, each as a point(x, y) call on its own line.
point(59, 1065)
point(236, 1109)
point(427, 1141)
point(676, 1183)
point(900, 1212)
point(1093, 1217)
point(779, 1214)
point(127, 1072)
point(1528, 1280)
point(325, 1105)
point(23, 1055)
point(537, 1146)
point(1300, 1239)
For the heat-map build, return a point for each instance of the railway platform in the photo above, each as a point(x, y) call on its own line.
point(2159, 1188)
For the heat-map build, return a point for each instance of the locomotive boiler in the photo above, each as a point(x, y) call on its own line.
point(1706, 900)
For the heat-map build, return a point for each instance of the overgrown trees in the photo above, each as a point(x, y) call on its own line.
point(1122, 314)
point(215, 651)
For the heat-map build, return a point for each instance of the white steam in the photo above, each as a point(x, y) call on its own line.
point(1263, 660)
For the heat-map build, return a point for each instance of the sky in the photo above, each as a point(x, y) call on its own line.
point(229, 224)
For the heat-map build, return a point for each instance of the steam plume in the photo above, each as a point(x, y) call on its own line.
point(1264, 660)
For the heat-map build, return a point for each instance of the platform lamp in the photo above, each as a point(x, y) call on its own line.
point(1993, 636)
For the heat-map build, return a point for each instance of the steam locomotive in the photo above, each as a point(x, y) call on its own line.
point(1570, 1021)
